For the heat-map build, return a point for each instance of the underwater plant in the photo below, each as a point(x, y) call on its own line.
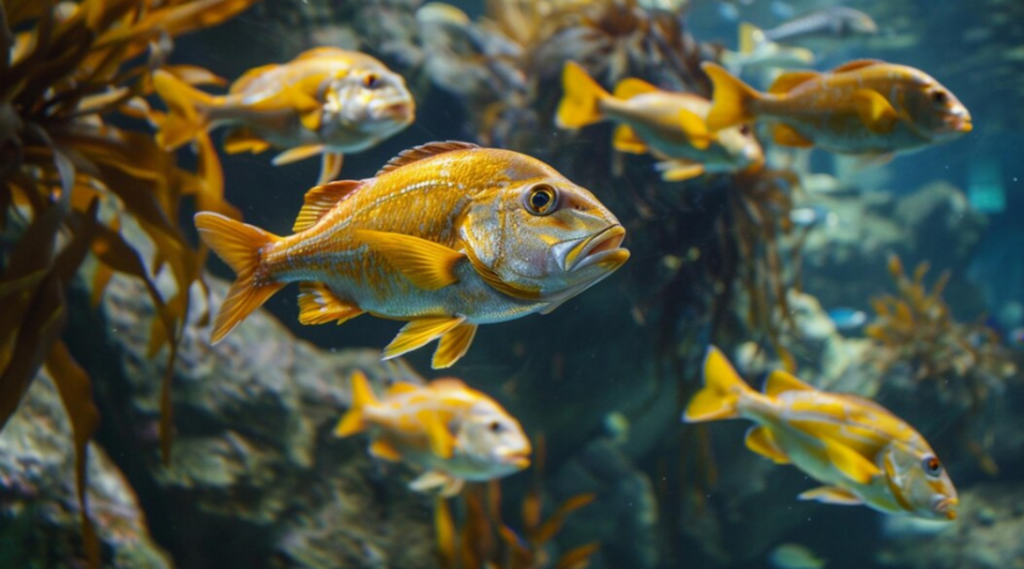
point(71, 174)
point(485, 540)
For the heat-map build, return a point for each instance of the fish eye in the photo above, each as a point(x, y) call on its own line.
point(932, 466)
point(371, 81)
point(940, 97)
point(495, 427)
point(541, 199)
point(745, 129)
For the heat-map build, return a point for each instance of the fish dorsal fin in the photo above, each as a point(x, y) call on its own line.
point(856, 64)
point(448, 383)
point(320, 200)
point(249, 77)
point(781, 382)
point(424, 151)
point(787, 81)
point(631, 87)
point(402, 387)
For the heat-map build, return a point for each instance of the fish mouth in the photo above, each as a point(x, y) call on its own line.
point(517, 459)
point(399, 112)
point(599, 249)
point(946, 506)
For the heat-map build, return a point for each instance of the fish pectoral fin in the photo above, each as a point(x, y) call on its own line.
point(626, 140)
point(631, 87)
point(441, 442)
point(679, 170)
point(873, 159)
point(762, 441)
point(876, 112)
point(298, 153)
point(319, 305)
point(787, 81)
point(832, 495)
point(695, 129)
point(780, 381)
point(419, 333)
point(453, 345)
point(384, 450)
point(240, 140)
point(430, 480)
point(330, 166)
point(852, 464)
point(321, 200)
point(788, 136)
point(429, 265)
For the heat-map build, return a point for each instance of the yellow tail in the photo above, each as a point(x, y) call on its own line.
point(354, 421)
point(580, 104)
point(187, 108)
point(721, 392)
point(732, 100)
point(238, 245)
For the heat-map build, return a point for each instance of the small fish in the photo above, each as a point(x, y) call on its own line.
point(832, 22)
point(795, 556)
point(447, 236)
point(452, 432)
point(668, 125)
point(865, 107)
point(847, 318)
point(808, 216)
point(862, 453)
point(327, 101)
point(757, 53)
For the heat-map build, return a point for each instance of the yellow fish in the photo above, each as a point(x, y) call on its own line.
point(861, 452)
point(447, 236)
point(668, 125)
point(867, 107)
point(452, 432)
point(325, 101)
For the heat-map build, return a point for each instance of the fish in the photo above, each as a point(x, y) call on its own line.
point(811, 215)
point(450, 431)
point(847, 318)
point(866, 107)
point(446, 236)
point(668, 125)
point(794, 556)
point(757, 53)
point(831, 23)
point(326, 102)
point(858, 450)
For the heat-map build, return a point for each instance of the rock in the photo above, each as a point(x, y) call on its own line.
point(39, 515)
point(986, 535)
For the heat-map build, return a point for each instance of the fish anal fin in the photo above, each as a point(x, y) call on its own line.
point(417, 333)
point(631, 87)
point(873, 159)
point(852, 464)
point(832, 495)
point(240, 140)
point(453, 345)
point(787, 81)
point(429, 265)
point(322, 199)
point(330, 166)
point(760, 440)
point(298, 153)
point(876, 112)
point(780, 381)
point(679, 170)
point(319, 305)
point(424, 151)
point(856, 64)
point(626, 140)
point(383, 449)
point(441, 442)
point(788, 136)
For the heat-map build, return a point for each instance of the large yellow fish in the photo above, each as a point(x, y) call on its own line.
point(447, 236)
point(668, 125)
point(452, 432)
point(325, 101)
point(866, 107)
point(861, 452)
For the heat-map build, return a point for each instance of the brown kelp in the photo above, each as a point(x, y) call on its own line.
point(69, 178)
point(485, 540)
point(964, 361)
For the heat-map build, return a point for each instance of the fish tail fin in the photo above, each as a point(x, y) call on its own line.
point(722, 390)
point(750, 37)
point(187, 110)
point(580, 105)
point(354, 420)
point(238, 245)
point(732, 99)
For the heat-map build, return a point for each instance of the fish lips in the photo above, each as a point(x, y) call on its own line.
point(602, 248)
point(945, 506)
